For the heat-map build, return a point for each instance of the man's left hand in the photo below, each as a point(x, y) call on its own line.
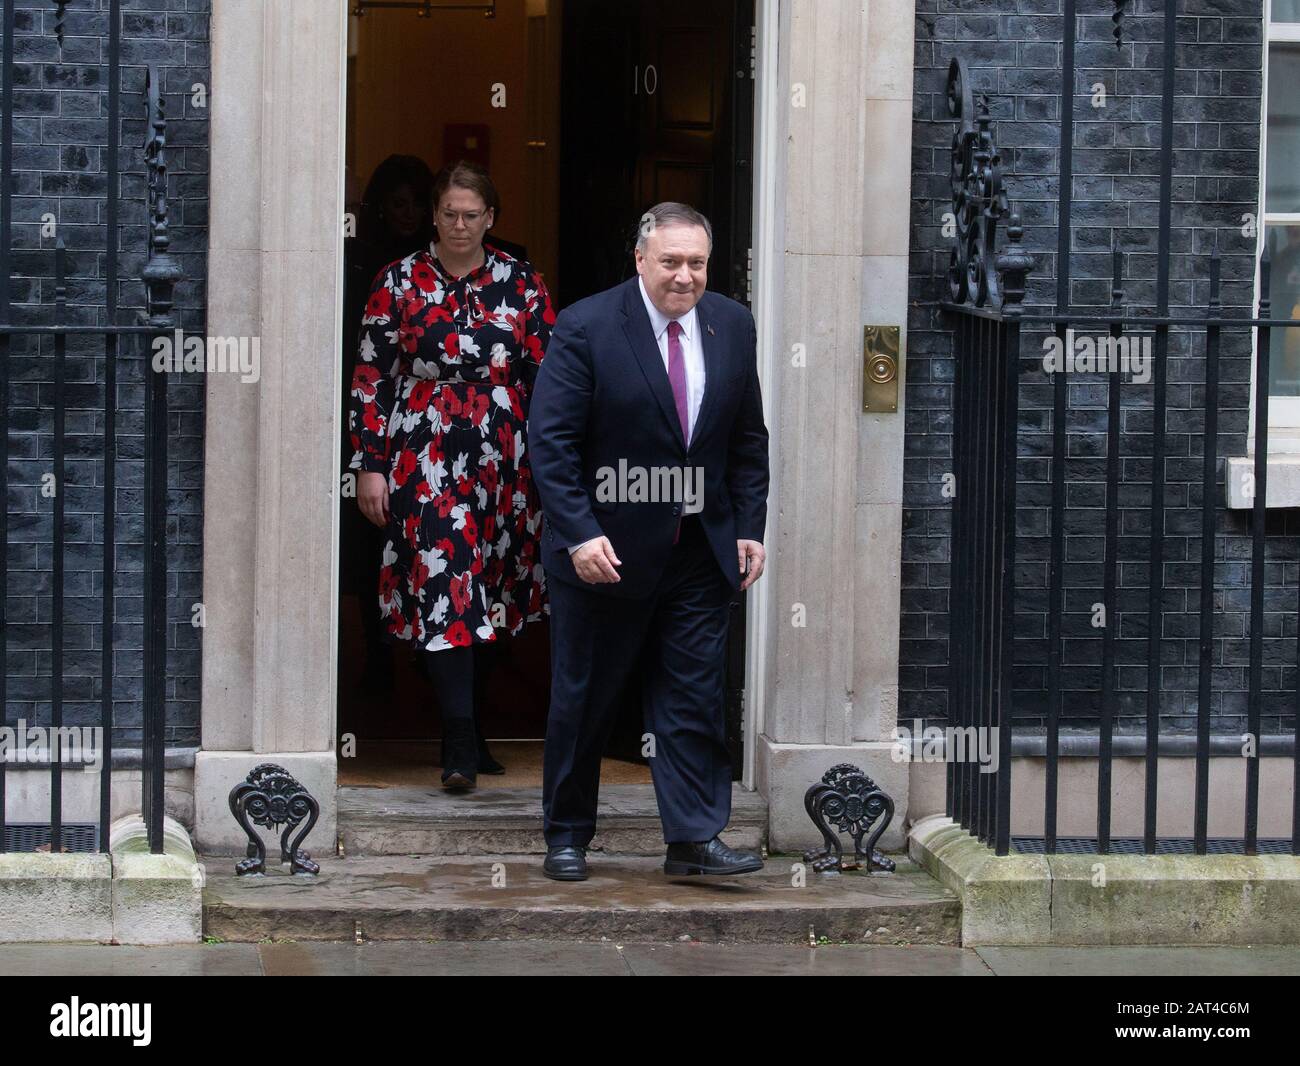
point(751, 556)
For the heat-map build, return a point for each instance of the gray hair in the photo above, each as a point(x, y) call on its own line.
point(671, 213)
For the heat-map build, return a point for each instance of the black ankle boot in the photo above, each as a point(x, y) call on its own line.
point(486, 764)
point(459, 754)
point(482, 663)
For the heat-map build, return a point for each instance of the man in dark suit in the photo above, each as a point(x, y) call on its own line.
point(649, 452)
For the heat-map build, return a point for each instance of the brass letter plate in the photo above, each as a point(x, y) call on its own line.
point(880, 357)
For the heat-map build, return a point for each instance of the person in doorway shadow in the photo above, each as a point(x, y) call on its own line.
point(655, 379)
point(449, 345)
point(393, 221)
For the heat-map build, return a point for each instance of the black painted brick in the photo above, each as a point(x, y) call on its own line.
point(1012, 48)
point(59, 163)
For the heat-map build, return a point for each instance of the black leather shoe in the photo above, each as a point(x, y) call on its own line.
point(565, 862)
point(709, 857)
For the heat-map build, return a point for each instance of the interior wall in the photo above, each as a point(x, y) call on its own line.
point(410, 77)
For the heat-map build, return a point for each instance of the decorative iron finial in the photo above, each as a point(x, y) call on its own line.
point(1215, 302)
point(979, 203)
point(60, 273)
point(1013, 264)
point(162, 271)
point(1116, 275)
point(1117, 17)
point(59, 14)
point(1266, 279)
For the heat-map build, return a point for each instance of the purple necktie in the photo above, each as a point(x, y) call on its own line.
point(677, 379)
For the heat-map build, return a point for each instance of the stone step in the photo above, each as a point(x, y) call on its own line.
point(433, 821)
point(628, 898)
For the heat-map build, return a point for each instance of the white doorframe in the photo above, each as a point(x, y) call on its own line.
point(768, 180)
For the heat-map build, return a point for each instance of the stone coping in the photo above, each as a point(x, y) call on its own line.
point(1079, 744)
point(1110, 899)
point(128, 841)
point(125, 896)
point(125, 758)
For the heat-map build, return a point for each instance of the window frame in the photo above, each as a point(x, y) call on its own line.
point(1283, 411)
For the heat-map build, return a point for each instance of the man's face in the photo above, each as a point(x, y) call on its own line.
point(674, 267)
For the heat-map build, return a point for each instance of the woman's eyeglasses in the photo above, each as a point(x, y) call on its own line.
point(469, 217)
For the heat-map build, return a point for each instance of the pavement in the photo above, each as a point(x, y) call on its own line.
point(565, 958)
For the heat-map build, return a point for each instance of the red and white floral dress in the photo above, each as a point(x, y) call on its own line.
point(439, 405)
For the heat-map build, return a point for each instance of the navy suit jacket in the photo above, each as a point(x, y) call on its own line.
point(602, 395)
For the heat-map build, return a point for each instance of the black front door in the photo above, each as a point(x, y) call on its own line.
point(657, 104)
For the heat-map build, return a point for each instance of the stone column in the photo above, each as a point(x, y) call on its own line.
point(271, 463)
point(835, 534)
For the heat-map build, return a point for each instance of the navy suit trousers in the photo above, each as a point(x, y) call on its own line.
point(596, 641)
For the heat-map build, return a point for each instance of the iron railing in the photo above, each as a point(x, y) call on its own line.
point(160, 276)
point(987, 663)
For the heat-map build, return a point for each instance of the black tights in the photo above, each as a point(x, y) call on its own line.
point(460, 678)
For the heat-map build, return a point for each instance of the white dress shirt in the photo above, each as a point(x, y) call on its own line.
point(692, 355)
point(692, 350)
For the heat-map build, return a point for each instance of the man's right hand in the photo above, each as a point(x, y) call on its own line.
point(372, 496)
point(595, 562)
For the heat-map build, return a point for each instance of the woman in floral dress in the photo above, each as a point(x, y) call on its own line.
point(450, 342)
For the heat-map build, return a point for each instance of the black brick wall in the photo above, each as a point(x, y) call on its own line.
point(59, 167)
point(1013, 51)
